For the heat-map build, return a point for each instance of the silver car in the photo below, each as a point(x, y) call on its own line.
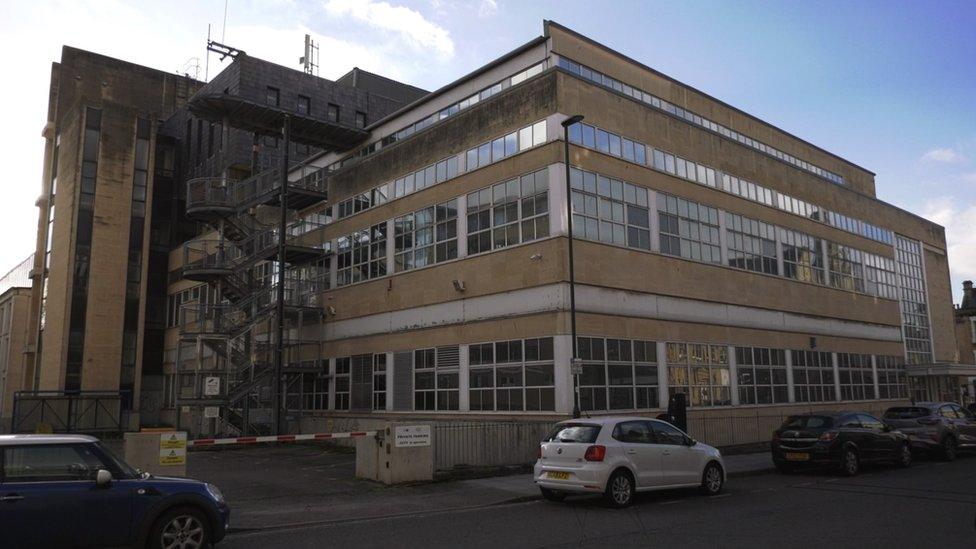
point(939, 427)
point(619, 456)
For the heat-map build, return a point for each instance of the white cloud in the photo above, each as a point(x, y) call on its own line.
point(959, 221)
point(487, 8)
point(969, 178)
point(411, 25)
point(944, 155)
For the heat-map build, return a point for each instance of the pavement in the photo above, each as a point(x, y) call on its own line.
point(290, 485)
point(931, 504)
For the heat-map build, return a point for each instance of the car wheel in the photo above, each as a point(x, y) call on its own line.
point(183, 527)
point(553, 495)
point(905, 456)
point(850, 463)
point(712, 480)
point(620, 489)
point(950, 448)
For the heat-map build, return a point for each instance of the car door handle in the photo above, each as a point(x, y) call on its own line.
point(667, 452)
point(631, 451)
point(11, 497)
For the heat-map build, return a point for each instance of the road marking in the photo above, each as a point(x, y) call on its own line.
point(717, 496)
point(805, 484)
point(762, 490)
point(670, 502)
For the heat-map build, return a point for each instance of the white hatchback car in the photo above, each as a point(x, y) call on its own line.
point(619, 456)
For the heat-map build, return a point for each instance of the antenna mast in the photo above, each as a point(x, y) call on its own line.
point(310, 61)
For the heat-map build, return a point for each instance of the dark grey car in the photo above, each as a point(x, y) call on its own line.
point(939, 427)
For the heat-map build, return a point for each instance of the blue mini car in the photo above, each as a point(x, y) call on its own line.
point(71, 491)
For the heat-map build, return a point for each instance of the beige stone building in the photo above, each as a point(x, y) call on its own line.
point(15, 295)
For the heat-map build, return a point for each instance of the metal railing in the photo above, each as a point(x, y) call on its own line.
point(209, 192)
point(60, 412)
point(473, 443)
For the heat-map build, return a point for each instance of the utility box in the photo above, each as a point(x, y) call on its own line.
point(158, 452)
point(400, 452)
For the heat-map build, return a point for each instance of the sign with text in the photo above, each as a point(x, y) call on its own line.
point(211, 386)
point(407, 436)
point(211, 412)
point(172, 448)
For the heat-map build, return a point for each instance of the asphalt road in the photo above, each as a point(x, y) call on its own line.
point(932, 504)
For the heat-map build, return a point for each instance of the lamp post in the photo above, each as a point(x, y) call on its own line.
point(574, 365)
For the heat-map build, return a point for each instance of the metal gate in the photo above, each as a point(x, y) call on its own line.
point(59, 412)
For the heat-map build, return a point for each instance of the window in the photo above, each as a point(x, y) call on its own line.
point(360, 119)
point(914, 303)
point(343, 370)
point(879, 276)
point(48, 463)
point(665, 433)
point(509, 213)
point(425, 177)
point(379, 381)
point(332, 113)
point(618, 374)
point(502, 147)
point(273, 97)
point(700, 371)
point(762, 375)
point(362, 255)
point(846, 270)
point(304, 105)
point(688, 229)
point(802, 257)
point(856, 376)
point(892, 379)
point(634, 432)
point(813, 376)
point(751, 243)
point(512, 375)
point(435, 378)
point(610, 211)
point(426, 236)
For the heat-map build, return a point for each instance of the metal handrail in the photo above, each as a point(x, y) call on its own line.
point(208, 191)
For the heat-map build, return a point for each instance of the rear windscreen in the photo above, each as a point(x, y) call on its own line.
point(808, 422)
point(574, 432)
point(908, 412)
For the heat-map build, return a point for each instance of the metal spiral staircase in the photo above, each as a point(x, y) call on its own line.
point(240, 263)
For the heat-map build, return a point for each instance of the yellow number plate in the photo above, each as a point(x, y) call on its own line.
point(558, 475)
point(797, 456)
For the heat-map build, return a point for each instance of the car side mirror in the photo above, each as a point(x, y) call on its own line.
point(690, 441)
point(103, 478)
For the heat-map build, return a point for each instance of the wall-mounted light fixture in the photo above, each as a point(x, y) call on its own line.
point(458, 285)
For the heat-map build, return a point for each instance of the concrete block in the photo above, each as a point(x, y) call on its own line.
point(403, 452)
point(157, 452)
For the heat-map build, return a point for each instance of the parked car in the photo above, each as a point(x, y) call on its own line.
point(70, 491)
point(619, 456)
point(838, 439)
point(939, 427)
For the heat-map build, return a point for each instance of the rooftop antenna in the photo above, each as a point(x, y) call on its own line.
point(206, 72)
point(310, 61)
point(192, 67)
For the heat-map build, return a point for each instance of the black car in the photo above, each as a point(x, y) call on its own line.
point(843, 440)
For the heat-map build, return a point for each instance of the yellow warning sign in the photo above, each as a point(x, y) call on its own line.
point(172, 457)
point(172, 439)
point(172, 448)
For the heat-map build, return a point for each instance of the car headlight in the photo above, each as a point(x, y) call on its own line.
point(215, 493)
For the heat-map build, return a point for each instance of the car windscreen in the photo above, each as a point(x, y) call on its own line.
point(122, 466)
point(808, 422)
point(584, 433)
point(907, 412)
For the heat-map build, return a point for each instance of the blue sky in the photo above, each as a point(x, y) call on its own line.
point(890, 86)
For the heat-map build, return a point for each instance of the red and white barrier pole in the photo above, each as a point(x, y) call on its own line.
point(276, 438)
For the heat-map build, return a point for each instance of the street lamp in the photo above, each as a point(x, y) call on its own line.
point(574, 365)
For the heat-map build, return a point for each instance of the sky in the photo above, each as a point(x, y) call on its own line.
point(888, 85)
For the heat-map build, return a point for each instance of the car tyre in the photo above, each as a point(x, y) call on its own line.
point(180, 527)
point(950, 448)
point(712, 480)
point(553, 495)
point(904, 459)
point(620, 490)
point(850, 463)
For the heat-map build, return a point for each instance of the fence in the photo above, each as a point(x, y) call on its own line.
point(57, 412)
point(487, 443)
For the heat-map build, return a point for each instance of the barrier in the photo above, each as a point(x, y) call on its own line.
point(277, 438)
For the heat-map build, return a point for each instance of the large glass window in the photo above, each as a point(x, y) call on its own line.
point(751, 243)
point(892, 379)
point(379, 381)
point(435, 379)
point(514, 375)
point(813, 376)
point(609, 210)
point(802, 256)
point(846, 269)
point(856, 376)
point(879, 276)
point(914, 301)
point(343, 371)
point(761, 375)
point(362, 255)
point(618, 374)
point(502, 147)
point(509, 213)
point(688, 229)
point(426, 236)
point(700, 371)
point(425, 177)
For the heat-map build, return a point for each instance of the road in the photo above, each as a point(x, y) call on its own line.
point(932, 504)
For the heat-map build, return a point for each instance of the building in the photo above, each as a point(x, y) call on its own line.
point(14, 306)
point(416, 263)
point(966, 335)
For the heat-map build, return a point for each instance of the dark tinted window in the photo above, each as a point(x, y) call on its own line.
point(808, 422)
point(962, 412)
point(574, 432)
point(61, 462)
point(849, 421)
point(947, 412)
point(665, 433)
point(634, 432)
point(870, 422)
point(908, 412)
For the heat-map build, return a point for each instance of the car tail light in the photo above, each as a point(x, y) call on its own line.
point(539, 454)
point(829, 436)
point(595, 453)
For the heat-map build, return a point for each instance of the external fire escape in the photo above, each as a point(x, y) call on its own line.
point(264, 266)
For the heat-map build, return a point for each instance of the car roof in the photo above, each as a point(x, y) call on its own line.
point(606, 420)
point(20, 440)
point(830, 413)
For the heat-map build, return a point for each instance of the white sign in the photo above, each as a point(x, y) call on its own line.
point(576, 366)
point(211, 412)
point(412, 435)
point(211, 386)
point(172, 448)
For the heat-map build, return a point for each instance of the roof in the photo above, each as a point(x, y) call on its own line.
point(18, 440)
point(604, 420)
